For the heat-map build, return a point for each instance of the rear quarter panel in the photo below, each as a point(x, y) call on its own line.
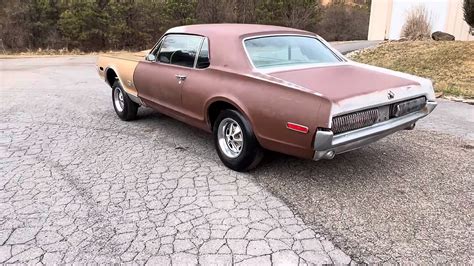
point(267, 105)
point(124, 67)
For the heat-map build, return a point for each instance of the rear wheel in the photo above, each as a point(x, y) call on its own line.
point(235, 141)
point(125, 108)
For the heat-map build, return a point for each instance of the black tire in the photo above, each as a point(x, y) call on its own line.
point(251, 153)
point(130, 108)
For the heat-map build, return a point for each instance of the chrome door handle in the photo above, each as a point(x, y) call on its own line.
point(180, 77)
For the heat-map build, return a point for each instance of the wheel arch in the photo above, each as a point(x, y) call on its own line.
point(218, 104)
point(111, 75)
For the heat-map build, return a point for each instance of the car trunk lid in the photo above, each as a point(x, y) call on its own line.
point(344, 81)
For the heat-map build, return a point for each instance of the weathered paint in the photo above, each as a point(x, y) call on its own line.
point(308, 96)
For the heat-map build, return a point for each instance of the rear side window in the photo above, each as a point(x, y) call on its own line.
point(203, 60)
point(179, 50)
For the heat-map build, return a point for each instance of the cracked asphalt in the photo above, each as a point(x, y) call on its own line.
point(78, 185)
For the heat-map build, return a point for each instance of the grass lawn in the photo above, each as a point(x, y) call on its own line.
point(450, 65)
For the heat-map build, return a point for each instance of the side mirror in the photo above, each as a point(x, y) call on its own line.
point(151, 57)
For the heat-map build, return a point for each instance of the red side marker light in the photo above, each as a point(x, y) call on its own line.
point(296, 127)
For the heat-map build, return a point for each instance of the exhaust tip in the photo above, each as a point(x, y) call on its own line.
point(329, 155)
point(410, 127)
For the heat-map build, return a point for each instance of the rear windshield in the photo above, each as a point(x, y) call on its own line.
point(275, 51)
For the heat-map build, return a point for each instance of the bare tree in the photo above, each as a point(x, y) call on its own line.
point(216, 11)
point(245, 11)
point(302, 14)
point(341, 22)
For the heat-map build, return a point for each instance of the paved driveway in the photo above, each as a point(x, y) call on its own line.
point(350, 46)
point(79, 185)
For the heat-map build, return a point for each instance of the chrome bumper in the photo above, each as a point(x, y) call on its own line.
point(326, 144)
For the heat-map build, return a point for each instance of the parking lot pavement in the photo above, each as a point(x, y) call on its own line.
point(79, 185)
point(453, 118)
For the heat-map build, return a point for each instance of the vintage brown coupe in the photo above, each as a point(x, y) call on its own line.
point(261, 87)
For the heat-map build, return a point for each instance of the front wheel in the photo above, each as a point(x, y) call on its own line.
point(235, 141)
point(125, 108)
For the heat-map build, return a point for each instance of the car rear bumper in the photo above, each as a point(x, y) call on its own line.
point(326, 144)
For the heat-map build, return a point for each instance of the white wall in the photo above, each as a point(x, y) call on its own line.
point(380, 16)
point(438, 10)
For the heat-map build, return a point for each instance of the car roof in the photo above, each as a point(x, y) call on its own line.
point(234, 30)
point(225, 41)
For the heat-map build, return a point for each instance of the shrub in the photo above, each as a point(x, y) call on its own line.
point(341, 22)
point(469, 13)
point(417, 25)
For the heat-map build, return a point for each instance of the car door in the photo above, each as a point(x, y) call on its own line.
point(160, 81)
point(195, 91)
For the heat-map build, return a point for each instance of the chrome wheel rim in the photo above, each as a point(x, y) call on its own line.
point(230, 138)
point(118, 99)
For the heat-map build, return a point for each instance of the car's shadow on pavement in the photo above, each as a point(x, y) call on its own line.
point(185, 134)
point(286, 165)
point(404, 198)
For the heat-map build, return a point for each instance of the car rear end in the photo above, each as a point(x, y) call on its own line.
point(352, 126)
point(355, 104)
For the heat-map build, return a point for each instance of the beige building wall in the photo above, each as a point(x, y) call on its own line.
point(381, 17)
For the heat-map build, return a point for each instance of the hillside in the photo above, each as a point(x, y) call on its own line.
point(450, 65)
